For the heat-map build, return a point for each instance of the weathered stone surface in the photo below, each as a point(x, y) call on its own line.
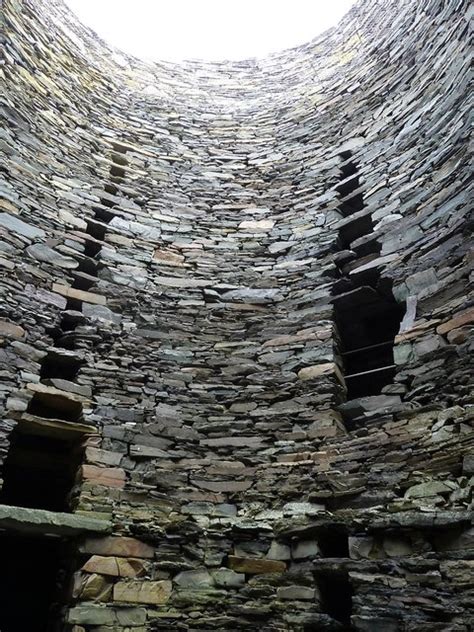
point(116, 545)
point(458, 321)
point(304, 549)
point(194, 255)
point(226, 578)
point(194, 579)
point(107, 476)
point(26, 520)
point(19, 226)
point(95, 588)
point(255, 566)
point(79, 295)
point(279, 551)
point(292, 593)
point(114, 566)
point(100, 615)
point(11, 330)
point(257, 226)
point(147, 592)
point(318, 370)
point(48, 255)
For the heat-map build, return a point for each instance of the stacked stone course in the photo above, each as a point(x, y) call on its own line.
point(171, 246)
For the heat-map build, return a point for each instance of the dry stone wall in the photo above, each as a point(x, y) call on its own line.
point(174, 247)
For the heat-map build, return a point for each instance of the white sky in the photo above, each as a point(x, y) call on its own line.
point(208, 29)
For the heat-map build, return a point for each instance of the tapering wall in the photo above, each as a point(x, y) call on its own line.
point(171, 240)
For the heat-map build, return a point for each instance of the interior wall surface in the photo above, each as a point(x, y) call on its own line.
point(171, 248)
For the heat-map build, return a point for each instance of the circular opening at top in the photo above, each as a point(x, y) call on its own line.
point(176, 30)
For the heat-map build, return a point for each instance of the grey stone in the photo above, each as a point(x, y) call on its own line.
point(196, 579)
point(48, 255)
point(19, 226)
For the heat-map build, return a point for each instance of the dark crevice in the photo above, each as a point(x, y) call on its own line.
point(367, 323)
point(333, 543)
point(105, 202)
point(96, 229)
point(360, 227)
point(366, 313)
point(111, 189)
point(73, 304)
point(92, 248)
point(40, 471)
point(86, 275)
point(70, 320)
point(59, 365)
point(103, 215)
point(117, 174)
point(36, 569)
point(88, 266)
point(336, 596)
point(55, 406)
point(83, 282)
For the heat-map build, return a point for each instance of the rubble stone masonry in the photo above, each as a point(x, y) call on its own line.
point(186, 251)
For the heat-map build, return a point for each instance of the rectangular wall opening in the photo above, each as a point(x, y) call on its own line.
point(33, 590)
point(40, 471)
point(92, 248)
point(87, 265)
point(336, 596)
point(359, 226)
point(60, 364)
point(55, 406)
point(83, 281)
point(367, 322)
point(333, 543)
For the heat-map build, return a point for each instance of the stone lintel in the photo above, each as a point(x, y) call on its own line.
point(42, 522)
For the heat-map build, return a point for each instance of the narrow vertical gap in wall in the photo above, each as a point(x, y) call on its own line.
point(86, 274)
point(367, 319)
point(351, 198)
point(336, 596)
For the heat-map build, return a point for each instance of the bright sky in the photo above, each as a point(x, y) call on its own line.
point(208, 29)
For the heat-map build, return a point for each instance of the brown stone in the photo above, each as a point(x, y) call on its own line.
point(168, 258)
point(120, 546)
point(114, 566)
point(458, 321)
point(155, 593)
point(282, 341)
point(255, 566)
point(10, 330)
point(317, 370)
point(96, 587)
point(458, 336)
point(107, 476)
point(416, 330)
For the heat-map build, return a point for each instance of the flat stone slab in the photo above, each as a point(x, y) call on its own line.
point(24, 520)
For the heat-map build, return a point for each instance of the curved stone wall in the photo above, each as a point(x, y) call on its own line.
point(175, 248)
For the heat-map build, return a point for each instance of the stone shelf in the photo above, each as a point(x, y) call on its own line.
point(42, 522)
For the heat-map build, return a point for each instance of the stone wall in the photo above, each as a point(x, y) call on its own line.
point(171, 246)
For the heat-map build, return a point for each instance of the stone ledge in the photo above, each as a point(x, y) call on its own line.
point(40, 521)
point(353, 520)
